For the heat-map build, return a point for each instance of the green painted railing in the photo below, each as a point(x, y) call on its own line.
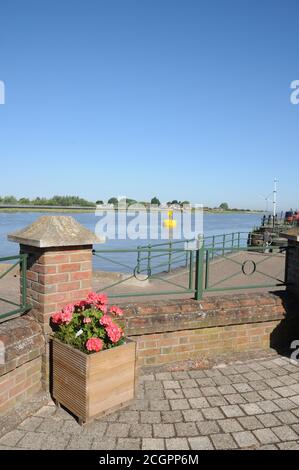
point(173, 253)
point(164, 261)
point(18, 308)
point(253, 263)
point(145, 269)
point(219, 244)
point(169, 261)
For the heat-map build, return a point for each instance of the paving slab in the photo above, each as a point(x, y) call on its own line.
point(183, 410)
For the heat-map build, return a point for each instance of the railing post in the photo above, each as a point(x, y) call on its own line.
point(213, 246)
point(190, 269)
point(169, 256)
point(223, 244)
point(199, 272)
point(233, 240)
point(138, 260)
point(149, 260)
point(207, 269)
point(239, 236)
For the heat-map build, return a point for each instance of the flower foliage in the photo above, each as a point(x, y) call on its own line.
point(89, 325)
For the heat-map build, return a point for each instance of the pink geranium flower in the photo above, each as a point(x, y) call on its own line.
point(81, 304)
point(69, 308)
point(106, 321)
point(94, 344)
point(56, 318)
point(116, 310)
point(86, 314)
point(66, 314)
point(103, 308)
point(66, 317)
point(114, 332)
point(62, 317)
point(97, 300)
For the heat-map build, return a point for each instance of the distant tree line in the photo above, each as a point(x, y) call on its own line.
point(225, 207)
point(42, 201)
point(78, 201)
point(154, 201)
point(178, 203)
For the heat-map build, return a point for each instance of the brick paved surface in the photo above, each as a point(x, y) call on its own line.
point(248, 405)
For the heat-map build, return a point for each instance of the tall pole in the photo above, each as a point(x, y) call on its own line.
point(275, 199)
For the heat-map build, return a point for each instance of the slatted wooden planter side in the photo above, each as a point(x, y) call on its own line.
point(90, 385)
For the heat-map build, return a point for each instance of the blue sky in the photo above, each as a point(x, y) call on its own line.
point(183, 99)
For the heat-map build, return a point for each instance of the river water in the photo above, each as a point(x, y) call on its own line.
point(213, 224)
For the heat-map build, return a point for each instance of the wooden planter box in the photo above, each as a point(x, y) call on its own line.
point(90, 385)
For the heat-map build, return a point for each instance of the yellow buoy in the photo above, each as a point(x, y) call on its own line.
point(170, 222)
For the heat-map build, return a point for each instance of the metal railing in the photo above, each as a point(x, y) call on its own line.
point(21, 307)
point(219, 244)
point(164, 261)
point(145, 270)
point(169, 260)
point(174, 254)
point(248, 265)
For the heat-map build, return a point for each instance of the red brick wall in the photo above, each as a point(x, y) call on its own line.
point(163, 348)
point(23, 344)
point(20, 384)
point(170, 331)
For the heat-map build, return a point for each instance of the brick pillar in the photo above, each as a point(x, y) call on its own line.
point(56, 276)
point(292, 261)
point(59, 268)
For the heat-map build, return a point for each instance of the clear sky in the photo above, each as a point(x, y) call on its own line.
point(183, 99)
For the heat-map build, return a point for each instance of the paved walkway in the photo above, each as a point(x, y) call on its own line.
point(245, 405)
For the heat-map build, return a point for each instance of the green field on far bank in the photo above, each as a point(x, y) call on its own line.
point(93, 209)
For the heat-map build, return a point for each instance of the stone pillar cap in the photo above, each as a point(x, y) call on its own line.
point(52, 230)
point(292, 234)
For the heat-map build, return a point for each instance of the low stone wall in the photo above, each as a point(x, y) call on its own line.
point(22, 345)
point(170, 331)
